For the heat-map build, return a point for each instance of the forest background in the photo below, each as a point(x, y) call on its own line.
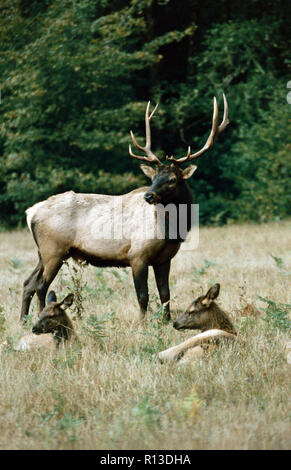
point(76, 76)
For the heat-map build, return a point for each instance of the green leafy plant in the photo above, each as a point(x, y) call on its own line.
point(94, 327)
point(280, 264)
point(146, 412)
point(277, 314)
point(156, 331)
point(101, 284)
point(2, 322)
point(190, 405)
point(78, 287)
point(16, 263)
point(198, 272)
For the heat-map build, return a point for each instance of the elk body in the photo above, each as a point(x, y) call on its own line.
point(53, 327)
point(203, 314)
point(72, 225)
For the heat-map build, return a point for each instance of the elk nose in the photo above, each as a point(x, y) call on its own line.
point(175, 325)
point(34, 329)
point(149, 197)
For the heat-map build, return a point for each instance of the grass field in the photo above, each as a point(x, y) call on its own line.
point(112, 393)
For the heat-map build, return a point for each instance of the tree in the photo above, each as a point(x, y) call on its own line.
point(76, 77)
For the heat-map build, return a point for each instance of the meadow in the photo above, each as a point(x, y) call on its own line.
point(112, 392)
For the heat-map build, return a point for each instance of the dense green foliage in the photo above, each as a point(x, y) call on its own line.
point(76, 76)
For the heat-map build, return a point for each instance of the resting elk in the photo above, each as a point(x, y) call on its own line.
point(53, 328)
point(202, 314)
point(72, 225)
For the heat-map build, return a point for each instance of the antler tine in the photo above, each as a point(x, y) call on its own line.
point(150, 156)
point(225, 120)
point(153, 112)
point(215, 131)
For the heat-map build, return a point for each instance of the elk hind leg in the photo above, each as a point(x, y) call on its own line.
point(50, 270)
point(29, 289)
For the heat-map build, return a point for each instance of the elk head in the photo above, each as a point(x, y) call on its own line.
point(166, 180)
point(53, 318)
point(199, 315)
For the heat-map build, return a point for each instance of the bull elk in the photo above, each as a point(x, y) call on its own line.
point(69, 224)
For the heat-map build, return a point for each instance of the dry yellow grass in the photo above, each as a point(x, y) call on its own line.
point(114, 394)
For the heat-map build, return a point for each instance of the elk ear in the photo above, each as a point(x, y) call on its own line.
point(67, 302)
point(51, 297)
point(188, 172)
point(148, 171)
point(211, 295)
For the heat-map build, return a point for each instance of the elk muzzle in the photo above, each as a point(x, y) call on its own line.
point(181, 322)
point(36, 329)
point(187, 321)
point(150, 197)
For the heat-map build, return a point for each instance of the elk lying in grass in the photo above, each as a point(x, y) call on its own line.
point(53, 327)
point(72, 225)
point(203, 314)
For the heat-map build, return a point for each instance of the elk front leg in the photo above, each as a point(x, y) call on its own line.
point(175, 352)
point(140, 278)
point(162, 279)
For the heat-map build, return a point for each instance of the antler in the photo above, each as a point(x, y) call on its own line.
point(215, 131)
point(150, 157)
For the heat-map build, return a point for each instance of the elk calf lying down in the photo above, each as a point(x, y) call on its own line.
point(203, 314)
point(52, 328)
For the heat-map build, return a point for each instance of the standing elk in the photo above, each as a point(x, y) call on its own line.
point(69, 224)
